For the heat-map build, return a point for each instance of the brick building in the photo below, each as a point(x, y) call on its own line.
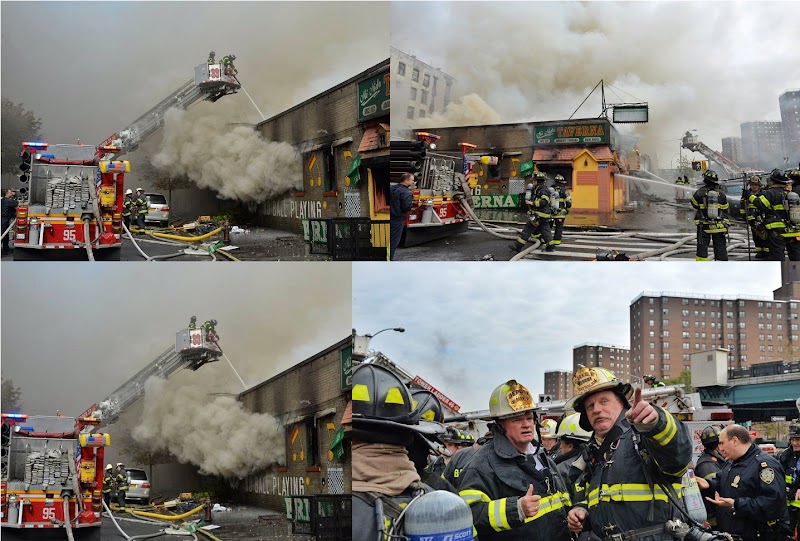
point(614, 358)
point(342, 136)
point(557, 385)
point(789, 103)
point(308, 400)
point(420, 89)
point(666, 328)
point(762, 144)
point(732, 148)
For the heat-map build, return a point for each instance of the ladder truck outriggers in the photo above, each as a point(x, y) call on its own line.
point(74, 194)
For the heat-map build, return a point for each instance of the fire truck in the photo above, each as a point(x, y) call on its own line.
point(52, 476)
point(73, 194)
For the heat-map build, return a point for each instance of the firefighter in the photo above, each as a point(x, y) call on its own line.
point(573, 440)
point(679, 180)
point(384, 424)
point(794, 177)
point(653, 382)
point(228, 67)
point(790, 460)
point(9, 213)
point(140, 203)
point(709, 464)
point(749, 491)
point(122, 484)
point(211, 56)
point(511, 486)
point(540, 214)
point(637, 455)
point(458, 462)
point(550, 438)
point(564, 204)
point(108, 484)
point(429, 460)
point(780, 211)
point(748, 211)
point(127, 208)
point(711, 218)
point(193, 323)
point(210, 327)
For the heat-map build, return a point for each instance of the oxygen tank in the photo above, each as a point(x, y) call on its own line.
point(529, 193)
point(13, 510)
point(712, 205)
point(554, 199)
point(438, 516)
point(691, 496)
point(33, 233)
point(793, 207)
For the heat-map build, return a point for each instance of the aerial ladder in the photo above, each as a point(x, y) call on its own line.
point(210, 83)
point(692, 143)
point(193, 348)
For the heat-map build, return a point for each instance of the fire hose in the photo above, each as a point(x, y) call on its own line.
point(67, 524)
point(86, 242)
point(143, 536)
point(156, 257)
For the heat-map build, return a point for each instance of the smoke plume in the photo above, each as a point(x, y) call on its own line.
point(233, 161)
point(469, 109)
point(214, 433)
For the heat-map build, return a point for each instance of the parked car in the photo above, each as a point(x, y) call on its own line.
point(139, 485)
point(157, 209)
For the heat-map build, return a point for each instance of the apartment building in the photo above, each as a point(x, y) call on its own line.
point(614, 358)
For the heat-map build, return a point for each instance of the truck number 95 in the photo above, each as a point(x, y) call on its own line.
point(69, 235)
point(49, 513)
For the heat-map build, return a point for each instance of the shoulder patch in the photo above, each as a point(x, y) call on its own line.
point(767, 475)
point(763, 464)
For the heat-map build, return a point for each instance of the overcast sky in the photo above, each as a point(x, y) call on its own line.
point(72, 333)
point(91, 68)
point(700, 65)
point(472, 326)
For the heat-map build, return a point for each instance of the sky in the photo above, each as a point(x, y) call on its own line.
point(707, 66)
point(471, 326)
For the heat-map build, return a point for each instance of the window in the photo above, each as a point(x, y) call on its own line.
point(652, 311)
point(686, 345)
point(729, 325)
point(666, 357)
point(652, 334)
point(652, 345)
point(769, 348)
point(702, 313)
point(686, 358)
point(761, 326)
point(743, 358)
point(664, 322)
point(742, 325)
point(696, 312)
point(410, 113)
point(329, 179)
point(769, 326)
point(761, 315)
point(685, 313)
point(761, 337)
point(666, 368)
point(665, 311)
point(666, 345)
point(652, 356)
point(703, 336)
point(424, 99)
point(665, 334)
point(685, 334)
point(422, 113)
point(401, 68)
point(652, 323)
point(685, 324)
point(760, 304)
point(728, 314)
point(684, 301)
point(413, 94)
point(415, 75)
point(426, 80)
point(730, 336)
point(779, 327)
point(742, 336)
point(652, 368)
point(312, 444)
point(652, 301)
point(769, 315)
point(742, 314)
point(743, 347)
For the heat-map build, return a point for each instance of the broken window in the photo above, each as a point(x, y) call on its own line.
point(401, 68)
point(415, 75)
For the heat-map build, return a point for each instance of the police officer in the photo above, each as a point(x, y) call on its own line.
point(550, 438)
point(122, 484)
point(790, 461)
point(709, 464)
point(653, 382)
point(108, 484)
point(127, 208)
point(749, 212)
point(775, 205)
point(540, 213)
point(749, 491)
point(711, 218)
point(564, 204)
point(141, 209)
point(570, 462)
point(637, 455)
point(384, 424)
point(512, 487)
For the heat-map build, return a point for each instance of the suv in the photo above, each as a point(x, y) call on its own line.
point(139, 485)
point(157, 209)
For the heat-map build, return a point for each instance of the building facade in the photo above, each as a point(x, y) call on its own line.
point(666, 328)
point(762, 144)
point(557, 385)
point(420, 89)
point(732, 148)
point(309, 401)
point(614, 358)
point(342, 137)
point(789, 103)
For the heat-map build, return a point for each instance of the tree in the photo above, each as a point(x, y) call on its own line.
point(16, 125)
point(163, 182)
point(11, 398)
point(142, 454)
point(685, 378)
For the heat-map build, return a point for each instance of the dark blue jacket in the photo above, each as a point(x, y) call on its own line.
point(9, 210)
point(402, 199)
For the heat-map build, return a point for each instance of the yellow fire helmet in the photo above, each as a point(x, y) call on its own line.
point(549, 429)
point(509, 399)
point(109, 467)
point(570, 428)
point(588, 381)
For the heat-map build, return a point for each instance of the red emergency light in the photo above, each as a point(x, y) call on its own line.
point(722, 416)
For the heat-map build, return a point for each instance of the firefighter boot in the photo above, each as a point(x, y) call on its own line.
point(516, 246)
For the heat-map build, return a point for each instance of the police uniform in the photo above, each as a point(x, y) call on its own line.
point(709, 229)
point(540, 214)
point(564, 204)
point(757, 485)
point(781, 234)
point(497, 477)
point(790, 461)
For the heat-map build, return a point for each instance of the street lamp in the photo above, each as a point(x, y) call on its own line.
point(361, 342)
point(397, 329)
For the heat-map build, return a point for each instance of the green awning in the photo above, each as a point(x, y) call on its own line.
point(337, 446)
point(526, 168)
point(353, 172)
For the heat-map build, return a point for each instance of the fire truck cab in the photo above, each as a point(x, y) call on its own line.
point(52, 476)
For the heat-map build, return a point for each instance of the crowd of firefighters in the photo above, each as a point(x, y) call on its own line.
point(771, 212)
point(115, 484)
point(135, 206)
point(547, 210)
point(613, 468)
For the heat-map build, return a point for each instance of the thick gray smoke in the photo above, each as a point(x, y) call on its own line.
point(233, 161)
point(708, 66)
point(214, 433)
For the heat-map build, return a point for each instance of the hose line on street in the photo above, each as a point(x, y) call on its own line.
point(167, 517)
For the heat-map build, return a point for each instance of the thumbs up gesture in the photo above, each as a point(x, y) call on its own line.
point(641, 412)
point(529, 503)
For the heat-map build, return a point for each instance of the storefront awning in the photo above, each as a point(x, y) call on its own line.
point(370, 141)
point(567, 154)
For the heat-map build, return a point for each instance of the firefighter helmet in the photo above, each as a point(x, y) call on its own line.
point(139, 189)
point(710, 176)
point(549, 429)
point(538, 176)
point(379, 394)
point(570, 428)
point(778, 177)
point(454, 435)
point(510, 399)
point(129, 192)
point(794, 430)
point(649, 378)
point(213, 321)
point(755, 179)
point(120, 464)
point(233, 57)
point(109, 467)
point(793, 175)
point(427, 405)
point(710, 435)
point(560, 180)
point(212, 53)
point(588, 381)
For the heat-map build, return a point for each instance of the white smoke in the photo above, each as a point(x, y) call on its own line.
point(467, 110)
point(231, 160)
point(214, 433)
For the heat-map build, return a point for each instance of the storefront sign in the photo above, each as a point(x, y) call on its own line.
point(496, 201)
point(572, 135)
point(347, 369)
point(373, 97)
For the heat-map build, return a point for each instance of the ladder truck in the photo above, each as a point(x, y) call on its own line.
point(193, 348)
point(73, 194)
